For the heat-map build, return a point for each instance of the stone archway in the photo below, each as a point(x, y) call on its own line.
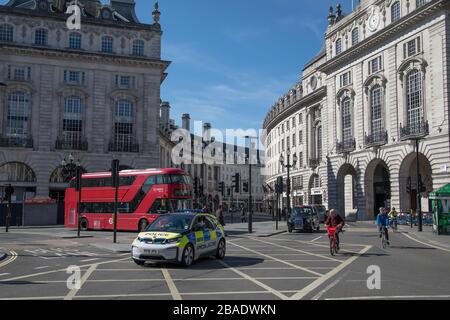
point(346, 190)
point(377, 186)
point(408, 173)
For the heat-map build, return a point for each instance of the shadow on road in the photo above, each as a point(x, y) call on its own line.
point(211, 263)
point(414, 248)
point(16, 282)
point(364, 255)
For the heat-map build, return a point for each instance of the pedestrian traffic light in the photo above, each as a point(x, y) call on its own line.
point(408, 185)
point(236, 183)
point(245, 187)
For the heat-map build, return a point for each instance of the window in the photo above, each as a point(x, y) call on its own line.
point(420, 3)
point(19, 73)
point(293, 140)
point(376, 116)
point(107, 44)
point(395, 11)
point(41, 37)
point(75, 40)
point(287, 126)
point(300, 137)
point(300, 160)
point(319, 143)
point(300, 118)
point(346, 79)
point(411, 47)
point(346, 120)
point(293, 122)
point(375, 65)
point(123, 125)
point(74, 77)
point(138, 48)
point(355, 36)
point(72, 122)
point(414, 100)
point(17, 115)
point(6, 33)
point(125, 82)
point(288, 145)
point(338, 46)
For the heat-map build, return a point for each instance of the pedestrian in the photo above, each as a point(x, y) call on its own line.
point(243, 214)
point(219, 215)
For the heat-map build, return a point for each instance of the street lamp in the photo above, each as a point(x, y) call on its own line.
point(71, 168)
point(288, 166)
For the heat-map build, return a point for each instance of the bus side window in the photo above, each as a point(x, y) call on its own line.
point(149, 183)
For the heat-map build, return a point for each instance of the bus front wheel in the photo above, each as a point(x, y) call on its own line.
point(84, 224)
point(143, 225)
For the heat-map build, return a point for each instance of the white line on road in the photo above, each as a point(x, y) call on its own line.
point(259, 283)
point(299, 295)
point(87, 260)
point(13, 256)
point(4, 274)
point(86, 275)
point(327, 288)
point(316, 239)
point(424, 243)
point(172, 287)
point(279, 260)
point(43, 267)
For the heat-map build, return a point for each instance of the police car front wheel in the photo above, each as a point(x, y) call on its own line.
point(188, 256)
point(221, 249)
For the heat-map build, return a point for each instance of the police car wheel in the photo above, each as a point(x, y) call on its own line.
point(221, 249)
point(188, 256)
point(84, 224)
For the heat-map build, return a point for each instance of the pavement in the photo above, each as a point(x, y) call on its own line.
point(259, 229)
point(286, 266)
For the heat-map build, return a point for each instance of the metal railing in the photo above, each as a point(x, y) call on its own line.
point(314, 162)
point(16, 142)
point(346, 146)
point(76, 144)
point(130, 146)
point(414, 130)
point(376, 139)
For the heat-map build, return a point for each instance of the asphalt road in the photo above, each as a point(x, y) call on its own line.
point(286, 266)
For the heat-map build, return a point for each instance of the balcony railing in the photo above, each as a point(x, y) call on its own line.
point(346, 146)
point(314, 162)
point(415, 130)
point(77, 144)
point(130, 146)
point(376, 139)
point(16, 142)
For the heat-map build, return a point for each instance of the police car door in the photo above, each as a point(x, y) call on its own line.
point(210, 234)
point(198, 229)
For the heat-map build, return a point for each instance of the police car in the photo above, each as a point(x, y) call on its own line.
point(180, 238)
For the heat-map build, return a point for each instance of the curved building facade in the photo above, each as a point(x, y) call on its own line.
point(378, 89)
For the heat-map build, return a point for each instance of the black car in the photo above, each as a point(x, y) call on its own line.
point(303, 218)
point(321, 212)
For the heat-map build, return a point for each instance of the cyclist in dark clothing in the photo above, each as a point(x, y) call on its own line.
point(335, 220)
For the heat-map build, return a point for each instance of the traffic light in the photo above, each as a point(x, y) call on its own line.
point(222, 187)
point(9, 191)
point(245, 187)
point(196, 186)
point(408, 185)
point(421, 185)
point(279, 185)
point(115, 173)
point(236, 183)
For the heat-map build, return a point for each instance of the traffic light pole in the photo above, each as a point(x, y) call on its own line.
point(250, 206)
point(419, 187)
point(79, 200)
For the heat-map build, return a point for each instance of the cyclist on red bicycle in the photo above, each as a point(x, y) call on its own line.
point(335, 220)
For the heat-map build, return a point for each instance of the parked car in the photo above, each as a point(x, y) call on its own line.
point(321, 212)
point(303, 218)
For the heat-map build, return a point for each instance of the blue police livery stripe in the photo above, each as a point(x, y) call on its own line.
point(191, 237)
point(219, 233)
point(206, 235)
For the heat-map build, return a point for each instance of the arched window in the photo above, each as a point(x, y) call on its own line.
point(138, 48)
point(41, 37)
point(16, 172)
point(355, 36)
point(319, 142)
point(72, 122)
point(75, 40)
point(395, 11)
point(107, 44)
point(17, 115)
point(338, 46)
point(414, 100)
point(347, 130)
point(6, 33)
point(376, 116)
point(123, 125)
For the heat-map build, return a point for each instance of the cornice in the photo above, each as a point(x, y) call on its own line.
point(95, 57)
point(386, 33)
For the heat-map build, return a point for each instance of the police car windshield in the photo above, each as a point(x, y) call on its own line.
point(171, 223)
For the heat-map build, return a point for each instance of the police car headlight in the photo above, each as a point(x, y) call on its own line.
point(174, 240)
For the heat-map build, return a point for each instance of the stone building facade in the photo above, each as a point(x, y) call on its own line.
point(382, 78)
point(93, 92)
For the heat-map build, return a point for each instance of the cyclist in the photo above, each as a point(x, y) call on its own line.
point(393, 217)
point(335, 220)
point(383, 223)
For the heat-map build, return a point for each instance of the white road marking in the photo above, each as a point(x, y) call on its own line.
point(327, 288)
point(394, 297)
point(172, 287)
point(282, 261)
point(424, 243)
point(258, 283)
point(87, 260)
point(316, 239)
point(4, 274)
point(12, 258)
point(43, 267)
point(298, 250)
point(300, 294)
point(86, 275)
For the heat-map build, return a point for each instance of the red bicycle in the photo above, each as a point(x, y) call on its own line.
point(333, 240)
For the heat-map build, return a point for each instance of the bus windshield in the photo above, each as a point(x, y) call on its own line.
point(171, 223)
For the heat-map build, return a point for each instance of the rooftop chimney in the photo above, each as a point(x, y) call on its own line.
point(186, 122)
point(207, 131)
point(165, 114)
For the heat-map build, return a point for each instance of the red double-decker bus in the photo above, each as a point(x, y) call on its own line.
point(143, 195)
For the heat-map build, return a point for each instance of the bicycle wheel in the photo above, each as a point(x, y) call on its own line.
point(332, 246)
point(383, 240)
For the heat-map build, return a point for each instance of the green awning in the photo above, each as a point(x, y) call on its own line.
point(442, 192)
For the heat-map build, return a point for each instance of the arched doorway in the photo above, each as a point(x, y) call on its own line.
point(377, 185)
point(346, 190)
point(314, 189)
point(408, 176)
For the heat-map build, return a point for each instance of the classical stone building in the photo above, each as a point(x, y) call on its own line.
point(93, 92)
point(381, 82)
